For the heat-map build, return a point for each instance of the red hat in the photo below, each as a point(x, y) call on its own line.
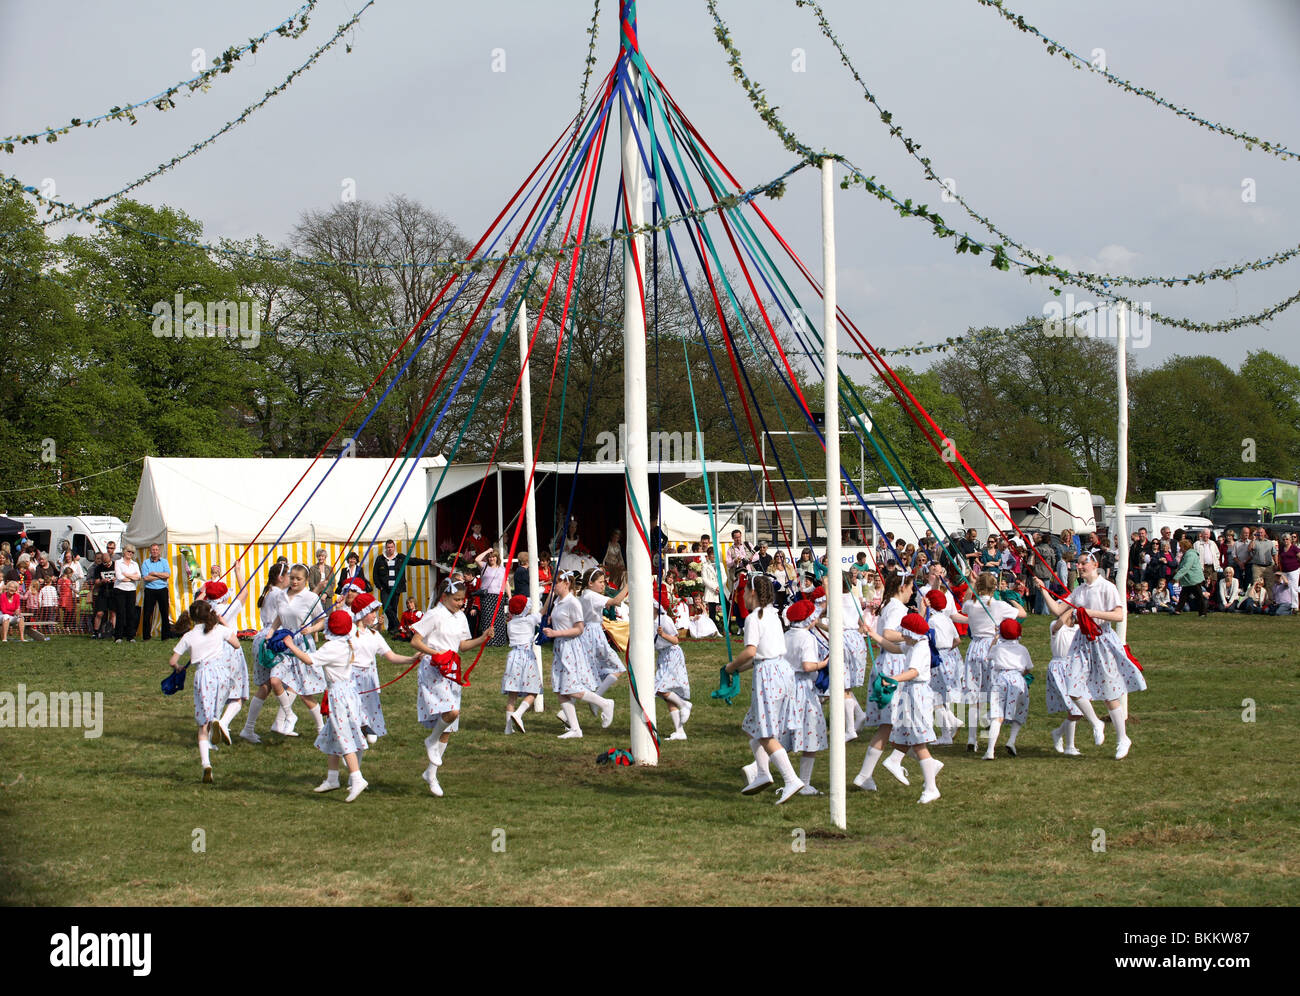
point(214, 590)
point(959, 591)
point(518, 604)
point(818, 592)
point(363, 605)
point(800, 610)
point(937, 599)
point(1010, 629)
point(356, 583)
point(915, 623)
point(340, 624)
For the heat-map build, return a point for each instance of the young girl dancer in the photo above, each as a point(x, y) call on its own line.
point(603, 657)
point(227, 610)
point(948, 674)
point(802, 653)
point(855, 657)
point(1008, 690)
point(202, 640)
point(898, 591)
point(672, 684)
point(442, 635)
point(1103, 666)
point(772, 699)
point(268, 607)
point(983, 613)
point(1059, 683)
point(573, 677)
point(522, 676)
point(299, 611)
point(370, 645)
point(341, 736)
point(910, 712)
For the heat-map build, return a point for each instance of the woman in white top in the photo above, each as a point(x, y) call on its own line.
point(268, 607)
point(342, 736)
point(370, 645)
point(712, 597)
point(299, 611)
point(772, 700)
point(951, 663)
point(898, 591)
point(911, 710)
point(442, 635)
point(672, 683)
point(126, 579)
point(1102, 660)
point(573, 674)
point(983, 614)
point(203, 639)
point(594, 601)
point(491, 593)
point(1060, 681)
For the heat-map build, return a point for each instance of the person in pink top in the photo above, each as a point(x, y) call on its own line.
point(11, 610)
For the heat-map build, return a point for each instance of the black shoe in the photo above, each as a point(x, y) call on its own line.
point(970, 748)
point(1010, 750)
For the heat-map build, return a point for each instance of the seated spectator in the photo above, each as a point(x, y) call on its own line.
point(1160, 600)
point(1281, 598)
point(1256, 600)
point(1230, 594)
point(1139, 602)
point(408, 619)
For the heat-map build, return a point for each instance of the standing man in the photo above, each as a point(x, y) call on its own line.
point(155, 574)
point(1263, 558)
point(738, 557)
point(389, 575)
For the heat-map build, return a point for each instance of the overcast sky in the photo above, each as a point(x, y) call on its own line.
point(1055, 156)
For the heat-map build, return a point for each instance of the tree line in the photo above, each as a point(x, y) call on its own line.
point(101, 370)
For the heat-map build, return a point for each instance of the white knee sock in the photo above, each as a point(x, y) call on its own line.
point(849, 713)
point(869, 762)
point(1123, 704)
point(439, 728)
point(760, 757)
point(1013, 729)
point(973, 724)
point(254, 710)
point(232, 710)
point(806, 762)
point(858, 714)
point(1068, 730)
point(591, 698)
point(607, 683)
point(929, 769)
point(332, 777)
point(285, 699)
point(1085, 706)
point(672, 698)
point(995, 727)
point(318, 718)
point(570, 715)
point(205, 757)
point(1117, 717)
point(782, 762)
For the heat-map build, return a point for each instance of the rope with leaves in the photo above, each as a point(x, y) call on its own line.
point(772, 188)
point(964, 242)
point(234, 123)
point(1043, 263)
point(1079, 62)
point(292, 28)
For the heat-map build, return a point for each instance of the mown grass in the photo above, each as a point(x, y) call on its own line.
point(1203, 812)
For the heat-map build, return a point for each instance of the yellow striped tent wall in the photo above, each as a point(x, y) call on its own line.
point(419, 580)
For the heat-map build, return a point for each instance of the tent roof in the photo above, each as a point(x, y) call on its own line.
point(463, 475)
point(229, 500)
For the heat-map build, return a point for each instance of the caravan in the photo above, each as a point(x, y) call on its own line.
point(1048, 507)
point(84, 535)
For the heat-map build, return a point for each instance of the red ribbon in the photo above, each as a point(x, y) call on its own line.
point(448, 662)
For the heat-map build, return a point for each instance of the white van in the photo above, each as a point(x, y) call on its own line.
point(86, 535)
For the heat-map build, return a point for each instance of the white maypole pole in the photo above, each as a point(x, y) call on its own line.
point(1121, 457)
point(530, 506)
point(642, 613)
point(834, 536)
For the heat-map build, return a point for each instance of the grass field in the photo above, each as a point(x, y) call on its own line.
point(1203, 812)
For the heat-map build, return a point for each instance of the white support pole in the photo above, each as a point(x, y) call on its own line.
point(642, 614)
point(1121, 457)
point(530, 505)
point(834, 536)
point(502, 549)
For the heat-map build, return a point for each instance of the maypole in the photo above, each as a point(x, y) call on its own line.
point(642, 611)
point(834, 537)
point(530, 505)
point(1121, 455)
